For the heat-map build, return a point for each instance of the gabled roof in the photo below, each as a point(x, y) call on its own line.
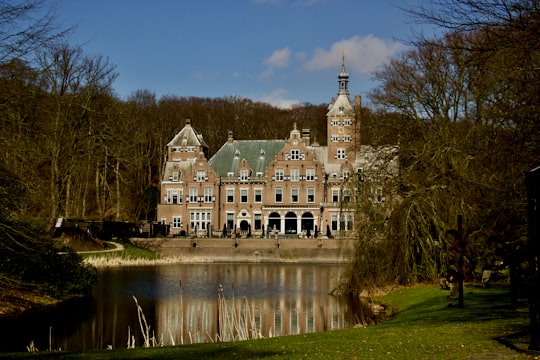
point(257, 153)
point(188, 136)
point(341, 107)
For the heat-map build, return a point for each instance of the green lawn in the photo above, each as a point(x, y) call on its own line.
point(427, 326)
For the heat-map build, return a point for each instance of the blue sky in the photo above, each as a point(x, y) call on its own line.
point(277, 51)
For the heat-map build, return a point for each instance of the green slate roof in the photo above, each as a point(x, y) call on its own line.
point(258, 154)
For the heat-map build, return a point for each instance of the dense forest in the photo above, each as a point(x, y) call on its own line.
point(462, 105)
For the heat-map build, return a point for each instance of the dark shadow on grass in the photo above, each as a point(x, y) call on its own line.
point(479, 305)
point(186, 352)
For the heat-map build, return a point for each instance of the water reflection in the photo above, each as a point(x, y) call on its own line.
point(180, 304)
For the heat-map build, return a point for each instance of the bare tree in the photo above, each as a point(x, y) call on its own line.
point(26, 26)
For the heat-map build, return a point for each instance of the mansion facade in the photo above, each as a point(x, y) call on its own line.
point(263, 187)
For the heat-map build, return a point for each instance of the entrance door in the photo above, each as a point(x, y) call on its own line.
point(290, 223)
point(308, 222)
point(274, 222)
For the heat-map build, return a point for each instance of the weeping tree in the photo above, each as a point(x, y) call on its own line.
point(464, 147)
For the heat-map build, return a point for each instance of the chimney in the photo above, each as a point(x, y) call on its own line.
point(188, 122)
point(230, 138)
point(357, 103)
point(305, 136)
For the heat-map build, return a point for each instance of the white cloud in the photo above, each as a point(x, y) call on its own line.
point(362, 54)
point(277, 99)
point(279, 58)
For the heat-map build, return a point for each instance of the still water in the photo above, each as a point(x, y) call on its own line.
point(180, 305)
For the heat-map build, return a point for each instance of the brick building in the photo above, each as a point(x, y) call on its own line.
point(260, 187)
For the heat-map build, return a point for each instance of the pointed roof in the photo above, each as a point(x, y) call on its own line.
point(188, 136)
point(342, 106)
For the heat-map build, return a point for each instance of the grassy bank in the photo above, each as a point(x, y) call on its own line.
point(427, 326)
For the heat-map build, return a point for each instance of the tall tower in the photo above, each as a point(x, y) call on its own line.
point(341, 123)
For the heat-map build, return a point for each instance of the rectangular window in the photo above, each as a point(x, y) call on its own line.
point(175, 176)
point(177, 222)
point(279, 175)
point(244, 175)
point(230, 196)
point(347, 138)
point(335, 195)
point(243, 195)
point(346, 174)
point(193, 195)
point(294, 195)
point(230, 222)
point(279, 195)
point(335, 138)
point(347, 122)
point(346, 195)
point(295, 154)
point(310, 174)
point(199, 220)
point(258, 195)
point(201, 175)
point(208, 195)
point(310, 195)
point(335, 123)
point(295, 174)
point(334, 222)
point(341, 154)
point(174, 196)
point(257, 224)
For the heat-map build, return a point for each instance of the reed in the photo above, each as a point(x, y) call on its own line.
point(235, 321)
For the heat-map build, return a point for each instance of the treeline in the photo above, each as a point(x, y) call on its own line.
point(81, 152)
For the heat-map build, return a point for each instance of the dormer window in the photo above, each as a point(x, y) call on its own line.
point(201, 176)
point(175, 176)
point(244, 175)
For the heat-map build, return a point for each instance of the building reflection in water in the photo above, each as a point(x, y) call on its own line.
point(283, 299)
point(268, 300)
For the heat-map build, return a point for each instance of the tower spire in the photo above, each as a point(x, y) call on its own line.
point(343, 77)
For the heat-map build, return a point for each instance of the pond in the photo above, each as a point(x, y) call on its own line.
point(183, 303)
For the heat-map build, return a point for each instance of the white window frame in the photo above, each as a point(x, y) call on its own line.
point(310, 192)
point(208, 194)
point(244, 175)
point(310, 174)
point(176, 222)
point(244, 197)
point(295, 154)
point(279, 175)
point(278, 191)
point(257, 195)
point(201, 176)
point(295, 174)
point(229, 193)
point(295, 195)
point(335, 195)
point(193, 195)
point(200, 219)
